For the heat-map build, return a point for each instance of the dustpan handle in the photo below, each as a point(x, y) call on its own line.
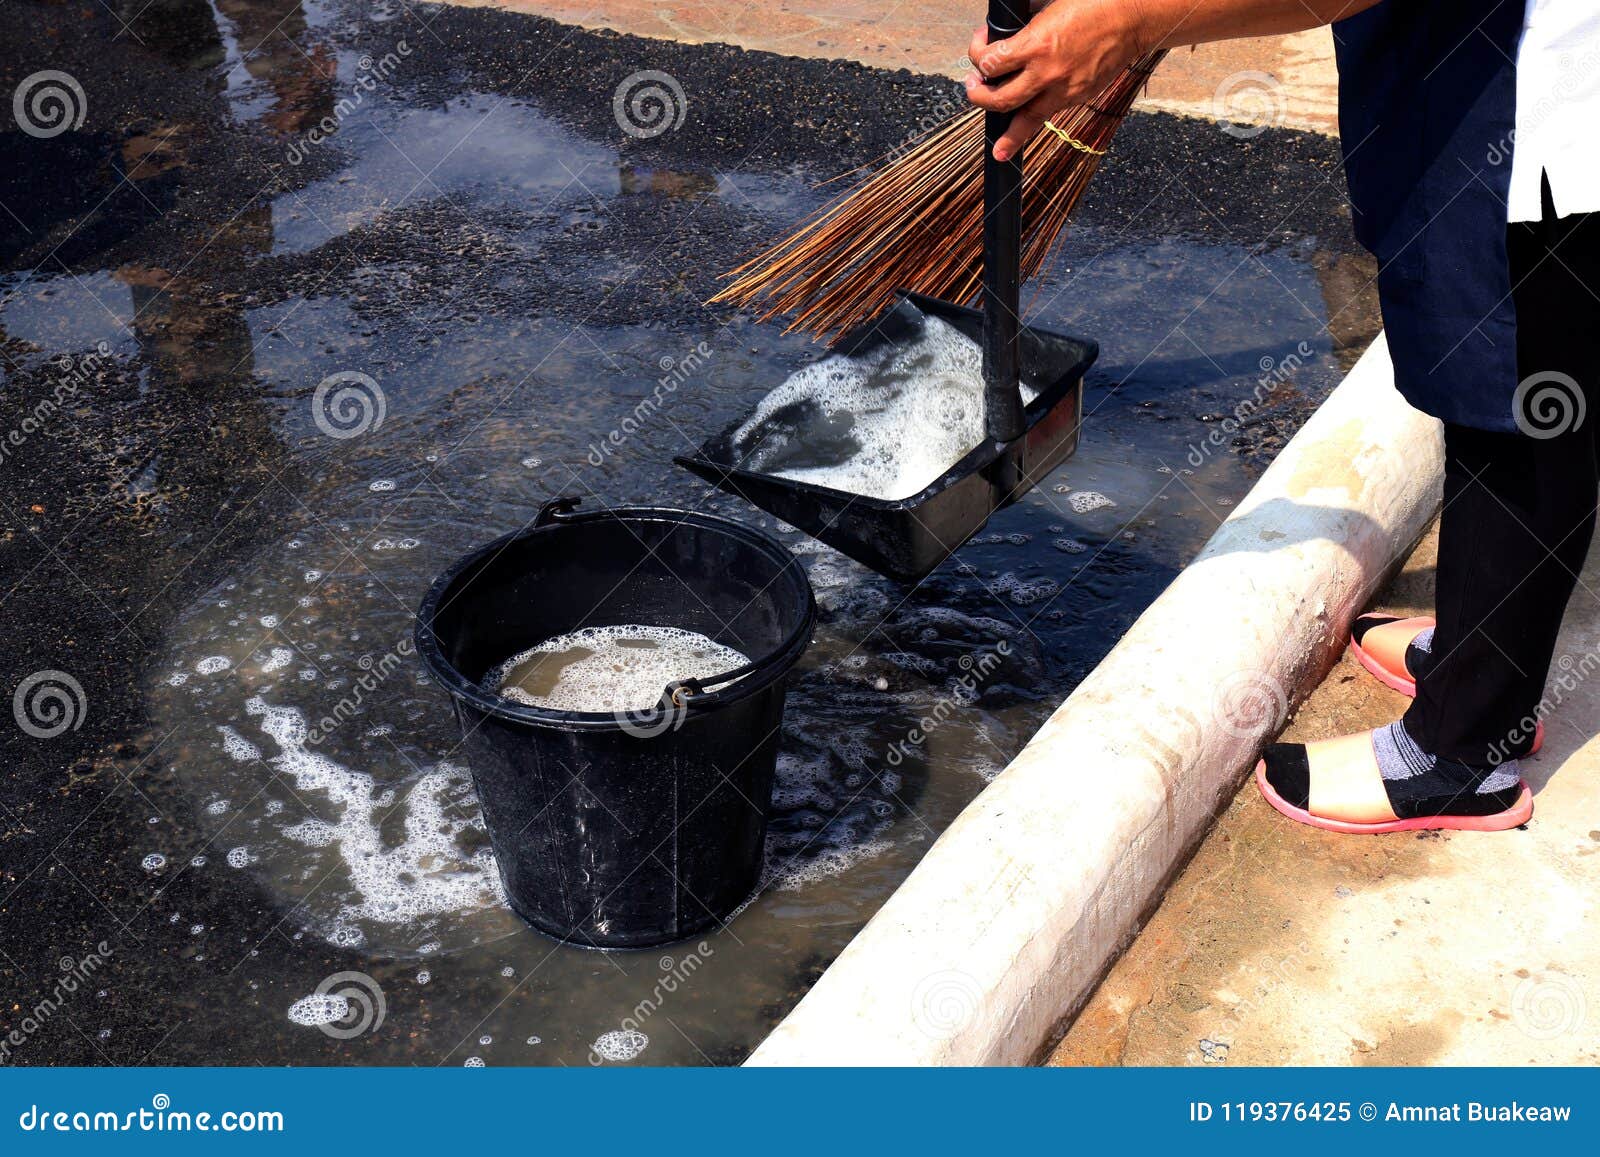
point(1002, 255)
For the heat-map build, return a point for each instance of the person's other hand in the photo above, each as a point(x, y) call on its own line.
point(1066, 55)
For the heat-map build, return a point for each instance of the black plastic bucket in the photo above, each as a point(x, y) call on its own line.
point(623, 831)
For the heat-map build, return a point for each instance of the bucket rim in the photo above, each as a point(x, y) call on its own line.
point(556, 514)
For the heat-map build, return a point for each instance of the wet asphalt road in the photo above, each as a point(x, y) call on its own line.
point(153, 476)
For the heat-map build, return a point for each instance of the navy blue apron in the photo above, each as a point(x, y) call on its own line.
point(1427, 113)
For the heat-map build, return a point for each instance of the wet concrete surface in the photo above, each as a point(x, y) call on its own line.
point(1282, 945)
point(265, 193)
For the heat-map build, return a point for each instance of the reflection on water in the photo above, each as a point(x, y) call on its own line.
point(310, 746)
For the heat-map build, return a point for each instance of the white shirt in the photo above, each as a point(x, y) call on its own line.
point(1558, 109)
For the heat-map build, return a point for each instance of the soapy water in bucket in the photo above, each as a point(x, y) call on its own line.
point(617, 668)
point(884, 424)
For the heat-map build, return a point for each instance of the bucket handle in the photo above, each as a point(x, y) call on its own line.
point(677, 693)
point(555, 510)
point(680, 691)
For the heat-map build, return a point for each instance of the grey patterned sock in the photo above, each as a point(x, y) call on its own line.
point(1419, 654)
point(1423, 784)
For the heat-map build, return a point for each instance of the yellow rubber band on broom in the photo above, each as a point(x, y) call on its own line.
point(1074, 142)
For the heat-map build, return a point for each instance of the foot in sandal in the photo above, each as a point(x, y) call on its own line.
point(1394, 649)
point(1398, 650)
point(1381, 781)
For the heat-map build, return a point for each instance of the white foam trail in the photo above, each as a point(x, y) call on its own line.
point(237, 746)
point(426, 874)
point(794, 873)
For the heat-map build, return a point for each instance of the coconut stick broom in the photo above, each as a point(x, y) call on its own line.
point(917, 222)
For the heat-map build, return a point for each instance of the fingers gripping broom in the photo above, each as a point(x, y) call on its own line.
point(944, 222)
point(917, 222)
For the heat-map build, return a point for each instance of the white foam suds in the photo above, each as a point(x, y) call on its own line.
point(473, 1063)
point(426, 873)
point(795, 873)
point(319, 1008)
point(621, 668)
point(621, 1044)
point(212, 664)
point(154, 862)
point(313, 833)
point(217, 807)
point(177, 679)
point(238, 747)
point(1083, 501)
point(898, 416)
point(280, 658)
point(240, 857)
point(382, 486)
point(1025, 592)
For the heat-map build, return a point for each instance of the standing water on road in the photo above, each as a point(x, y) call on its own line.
point(355, 304)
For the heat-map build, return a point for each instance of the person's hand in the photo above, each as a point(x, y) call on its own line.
point(1066, 55)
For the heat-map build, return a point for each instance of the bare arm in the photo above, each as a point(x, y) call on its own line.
point(1073, 48)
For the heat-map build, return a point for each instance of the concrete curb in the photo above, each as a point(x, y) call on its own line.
point(1015, 913)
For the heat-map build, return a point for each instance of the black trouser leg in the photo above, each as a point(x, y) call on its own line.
point(1518, 515)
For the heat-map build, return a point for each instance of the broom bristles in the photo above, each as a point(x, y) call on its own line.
point(917, 222)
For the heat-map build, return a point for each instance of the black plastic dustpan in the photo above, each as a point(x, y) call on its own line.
point(907, 538)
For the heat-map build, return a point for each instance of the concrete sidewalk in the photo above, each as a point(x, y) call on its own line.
point(1284, 81)
point(1279, 944)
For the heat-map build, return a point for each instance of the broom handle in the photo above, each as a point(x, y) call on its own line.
point(1002, 246)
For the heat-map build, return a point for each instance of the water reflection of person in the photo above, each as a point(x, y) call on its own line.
point(197, 335)
point(1475, 182)
point(276, 46)
point(278, 49)
point(197, 341)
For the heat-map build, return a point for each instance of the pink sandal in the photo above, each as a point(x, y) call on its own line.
point(1399, 677)
point(1519, 813)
